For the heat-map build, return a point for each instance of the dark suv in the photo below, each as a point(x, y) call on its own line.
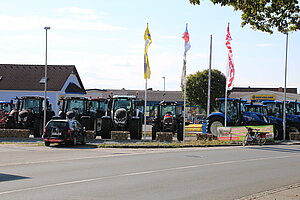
point(64, 131)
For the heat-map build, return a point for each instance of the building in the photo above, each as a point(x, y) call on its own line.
point(265, 94)
point(255, 89)
point(18, 80)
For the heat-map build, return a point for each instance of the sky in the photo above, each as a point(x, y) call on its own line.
point(105, 41)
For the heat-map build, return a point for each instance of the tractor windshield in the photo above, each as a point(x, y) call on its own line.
point(97, 105)
point(76, 104)
point(31, 104)
point(232, 109)
point(6, 107)
point(293, 108)
point(297, 108)
point(122, 103)
point(257, 108)
point(171, 109)
point(274, 109)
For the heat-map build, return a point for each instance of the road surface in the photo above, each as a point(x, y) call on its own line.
point(85, 172)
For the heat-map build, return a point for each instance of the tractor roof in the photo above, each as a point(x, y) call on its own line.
point(168, 103)
point(231, 99)
point(124, 97)
point(271, 101)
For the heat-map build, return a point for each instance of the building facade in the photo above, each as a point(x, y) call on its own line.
point(28, 80)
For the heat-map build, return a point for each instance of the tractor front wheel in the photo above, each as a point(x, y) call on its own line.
point(213, 124)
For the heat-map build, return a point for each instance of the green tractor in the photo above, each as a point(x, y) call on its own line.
point(122, 114)
point(30, 114)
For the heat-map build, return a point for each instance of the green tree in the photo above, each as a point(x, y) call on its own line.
point(196, 88)
point(265, 15)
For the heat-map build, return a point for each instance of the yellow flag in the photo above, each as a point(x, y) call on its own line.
point(148, 41)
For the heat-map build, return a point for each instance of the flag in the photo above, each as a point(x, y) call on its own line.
point(230, 71)
point(187, 46)
point(148, 41)
point(186, 38)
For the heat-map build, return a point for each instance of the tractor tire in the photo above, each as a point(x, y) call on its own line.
point(135, 129)
point(47, 144)
point(154, 130)
point(37, 128)
point(292, 128)
point(106, 128)
point(213, 123)
point(278, 132)
point(180, 132)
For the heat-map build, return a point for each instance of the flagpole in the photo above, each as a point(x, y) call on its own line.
point(285, 75)
point(145, 109)
point(184, 102)
point(209, 78)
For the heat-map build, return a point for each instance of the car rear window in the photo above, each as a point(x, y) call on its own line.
point(57, 124)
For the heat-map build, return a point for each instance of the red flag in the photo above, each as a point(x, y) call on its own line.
point(230, 65)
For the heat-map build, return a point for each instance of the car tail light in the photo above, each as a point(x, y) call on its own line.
point(44, 130)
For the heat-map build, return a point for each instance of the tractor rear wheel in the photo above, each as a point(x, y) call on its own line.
point(135, 128)
point(106, 128)
point(214, 123)
point(180, 132)
point(154, 130)
point(292, 128)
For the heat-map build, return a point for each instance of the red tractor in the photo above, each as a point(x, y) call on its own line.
point(5, 109)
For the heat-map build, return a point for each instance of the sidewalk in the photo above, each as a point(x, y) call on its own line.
point(289, 192)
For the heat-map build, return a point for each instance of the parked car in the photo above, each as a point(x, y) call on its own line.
point(64, 131)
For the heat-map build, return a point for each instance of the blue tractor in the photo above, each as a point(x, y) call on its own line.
point(263, 109)
point(236, 115)
point(275, 110)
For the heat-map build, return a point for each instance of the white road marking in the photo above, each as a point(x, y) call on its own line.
point(145, 172)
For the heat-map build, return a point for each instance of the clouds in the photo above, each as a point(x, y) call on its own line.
point(72, 18)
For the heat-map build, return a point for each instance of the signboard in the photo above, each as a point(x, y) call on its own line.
point(261, 97)
point(238, 133)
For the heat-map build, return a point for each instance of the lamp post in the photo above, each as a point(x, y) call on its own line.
point(285, 75)
point(45, 90)
point(164, 83)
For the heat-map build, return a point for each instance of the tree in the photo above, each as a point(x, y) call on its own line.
point(196, 88)
point(265, 15)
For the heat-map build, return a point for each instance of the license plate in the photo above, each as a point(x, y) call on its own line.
point(56, 133)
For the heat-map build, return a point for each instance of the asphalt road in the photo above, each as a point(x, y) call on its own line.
point(85, 172)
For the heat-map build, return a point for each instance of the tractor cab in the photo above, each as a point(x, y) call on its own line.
point(123, 114)
point(168, 119)
point(30, 113)
point(293, 107)
point(73, 107)
point(257, 108)
point(235, 109)
point(275, 109)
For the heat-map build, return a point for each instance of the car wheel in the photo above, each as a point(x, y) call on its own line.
point(47, 144)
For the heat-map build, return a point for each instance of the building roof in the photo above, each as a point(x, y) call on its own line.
point(152, 95)
point(28, 77)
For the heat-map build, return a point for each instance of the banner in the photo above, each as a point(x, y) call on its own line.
point(187, 47)
point(230, 71)
point(148, 41)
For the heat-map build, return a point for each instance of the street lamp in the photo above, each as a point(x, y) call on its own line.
point(45, 91)
point(164, 83)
